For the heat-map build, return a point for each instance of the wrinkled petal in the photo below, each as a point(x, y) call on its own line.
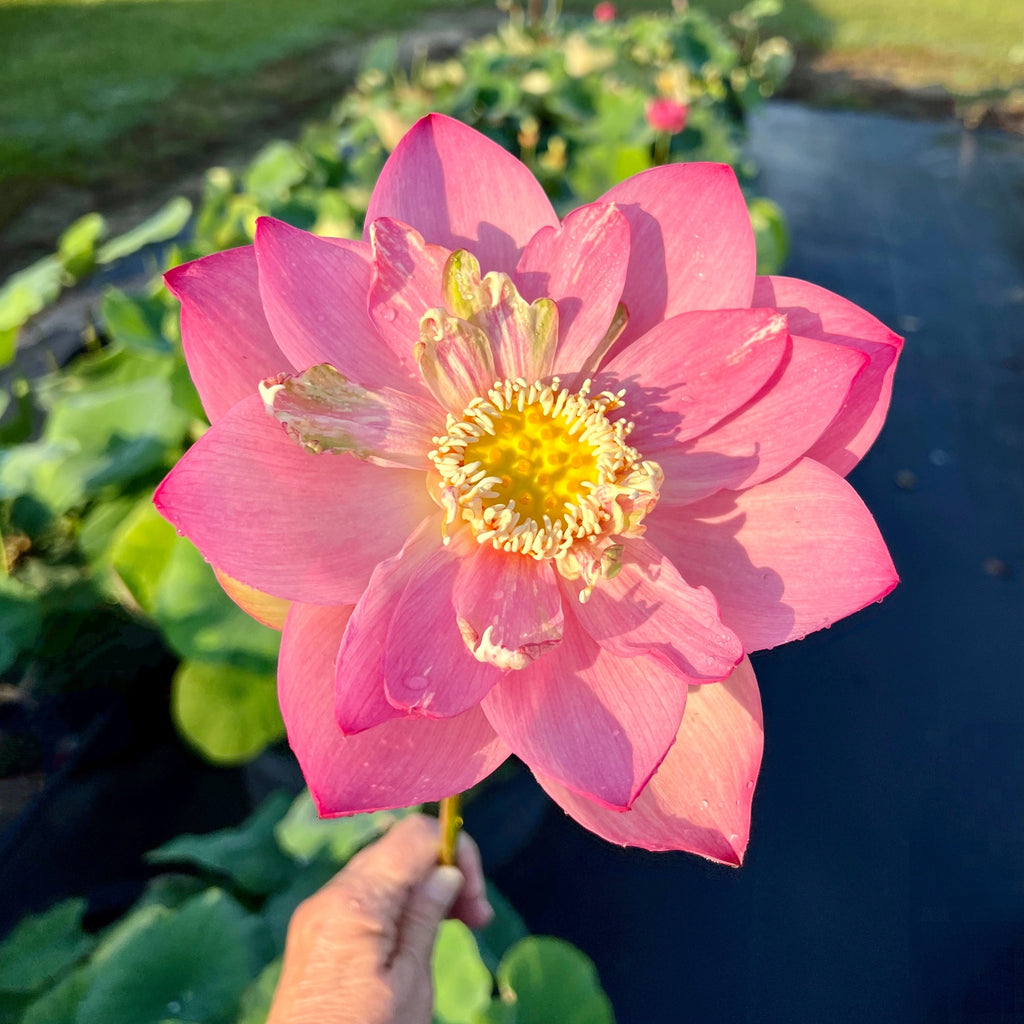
point(784, 558)
point(314, 295)
point(523, 335)
point(691, 244)
point(648, 608)
point(462, 191)
point(772, 431)
point(582, 266)
point(699, 798)
point(225, 336)
point(597, 723)
point(325, 412)
point(427, 669)
point(687, 374)
point(820, 314)
point(508, 607)
point(265, 608)
point(455, 359)
point(399, 763)
point(360, 699)
point(299, 526)
point(405, 281)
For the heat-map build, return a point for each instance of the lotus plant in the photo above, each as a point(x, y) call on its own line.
point(515, 485)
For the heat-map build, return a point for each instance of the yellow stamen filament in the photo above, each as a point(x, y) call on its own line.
point(536, 469)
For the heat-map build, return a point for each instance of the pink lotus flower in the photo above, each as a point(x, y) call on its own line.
point(530, 486)
point(666, 115)
point(605, 11)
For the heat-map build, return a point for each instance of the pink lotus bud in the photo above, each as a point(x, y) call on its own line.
point(605, 11)
point(665, 115)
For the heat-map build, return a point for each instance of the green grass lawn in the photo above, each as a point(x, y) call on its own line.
point(77, 75)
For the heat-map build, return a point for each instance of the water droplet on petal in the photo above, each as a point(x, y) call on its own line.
point(388, 314)
point(417, 682)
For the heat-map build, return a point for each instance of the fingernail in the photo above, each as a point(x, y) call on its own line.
point(443, 885)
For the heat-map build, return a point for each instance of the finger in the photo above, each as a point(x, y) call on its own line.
point(429, 904)
point(471, 906)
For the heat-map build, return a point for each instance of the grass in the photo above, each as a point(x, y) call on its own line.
point(78, 76)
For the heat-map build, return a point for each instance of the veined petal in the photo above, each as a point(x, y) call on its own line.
point(508, 607)
point(699, 798)
point(225, 336)
point(405, 281)
point(648, 608)
point(523, 335)
point(817, 313)
point(360, 700)
point(314, 295)
point(325, 412)
point(598, 724)
point(427, 669)
point(784, 558)
point(690, 372)
point(299, 526)
point(462, 191)
point(774, 429)
point(691, 244)
point(399, 763)
point(454, 358)
point(265, 608)
point(582, 266)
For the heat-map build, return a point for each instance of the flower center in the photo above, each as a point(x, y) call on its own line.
point(536, 469)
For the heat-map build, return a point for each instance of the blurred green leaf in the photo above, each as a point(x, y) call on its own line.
point(191, 964)
point(59, 1005)
point(42, 946)
point(20, 623)
point(276, 168)
point(166, 223)
point(26, 293)
point(76, 247)
point(504, 931)
point(134, 322)
point(141, 550)
point(462, 982)
point(226, 713)
point(551, 981)
point(201, 622)
point(770, 232)
point(248, 855)
point(259, 995)
point(303, 834)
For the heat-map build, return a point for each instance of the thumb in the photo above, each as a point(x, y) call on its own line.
point(428, 906)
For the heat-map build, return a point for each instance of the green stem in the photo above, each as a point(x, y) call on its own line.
point(451, 822)
point(662, 143)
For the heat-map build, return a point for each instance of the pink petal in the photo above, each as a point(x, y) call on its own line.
point(227, 342)
point(455, 360)
point(324, 412)
point(268, 610)
point(772, 431)
point(509, 607)
point(597, 723)
point(817, 313)
point(784, 558)
point(582, 266)
point(275, 517)
point(428, 670)
point(688, 373)
point(314, 294)
point(405, 282)
point(648, 608)
point(462, 191)
point(399, 763)
point(691, 244)
point(699, 799)
point(360, 700)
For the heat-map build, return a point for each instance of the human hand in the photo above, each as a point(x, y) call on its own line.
point(358, 951)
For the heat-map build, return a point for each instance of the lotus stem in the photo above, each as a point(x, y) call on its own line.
point(451, 822)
